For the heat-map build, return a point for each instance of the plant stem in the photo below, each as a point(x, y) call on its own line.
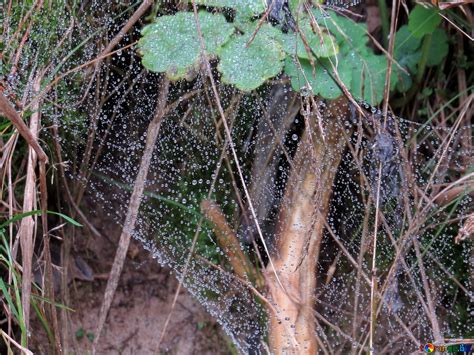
point(384, 18)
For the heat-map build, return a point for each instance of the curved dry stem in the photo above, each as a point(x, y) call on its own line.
point(301, 224)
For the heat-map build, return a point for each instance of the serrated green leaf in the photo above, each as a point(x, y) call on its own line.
point(247, 8)
point(322, 44)
point(423, 20)
point(248, 67)
point(242, 22)
point(171, 44)
point(439, 47)
point(321, 83)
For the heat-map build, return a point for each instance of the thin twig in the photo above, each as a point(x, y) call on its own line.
point(229, 136)
point(374, 281)
point(391, 45)
point(197, 231)
point(118, 37)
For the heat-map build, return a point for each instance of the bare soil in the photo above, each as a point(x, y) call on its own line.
point(140, 307)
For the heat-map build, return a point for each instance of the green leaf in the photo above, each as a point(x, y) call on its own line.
point(407, 54)
point(321, 83)
point(171, 44)
point(423, 20)
point(20, 216)
point(322, 44)
point(248, 67)
point(296, 7)
point(439, 47)
point(368, 75)
point(406, 49)
point(90, 336)
point(404, 80)
point(249, 8)
point(80, 333)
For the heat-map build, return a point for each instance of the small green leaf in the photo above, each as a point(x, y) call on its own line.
point(90, 336)
point(321, 83)
point(248, 67)
point(296, 7)
point(439, 47)
point(171, 44)
point(80, 333)
point(423, 20)
point(407, 54)
point(406, 49)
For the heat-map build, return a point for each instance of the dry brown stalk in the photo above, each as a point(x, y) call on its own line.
point(27, 227)
point(10, 113)
point(51, 308)
point(228, 241)
point(467, 230)
point(301, 224)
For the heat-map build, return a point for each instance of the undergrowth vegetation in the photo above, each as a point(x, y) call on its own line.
point(304, 170)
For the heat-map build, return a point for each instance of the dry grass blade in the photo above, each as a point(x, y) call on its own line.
point(27, 227)
point(22, 128)
point(8, 338)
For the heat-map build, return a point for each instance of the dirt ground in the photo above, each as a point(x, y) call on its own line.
point(140, 307)
point(139, 310)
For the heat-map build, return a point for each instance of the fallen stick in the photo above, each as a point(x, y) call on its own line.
point(132, 212)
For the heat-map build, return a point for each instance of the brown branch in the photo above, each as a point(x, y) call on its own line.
point(27, 226)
